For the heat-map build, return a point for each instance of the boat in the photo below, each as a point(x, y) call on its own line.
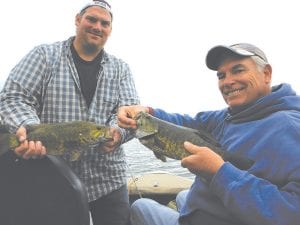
point(160, 186)
point(51, 180)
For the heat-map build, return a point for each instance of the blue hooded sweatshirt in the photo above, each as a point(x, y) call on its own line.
point(267, 131)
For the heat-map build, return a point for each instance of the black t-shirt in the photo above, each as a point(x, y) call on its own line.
point(88, 72)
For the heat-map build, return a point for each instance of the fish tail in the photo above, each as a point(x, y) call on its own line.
point(6, 142)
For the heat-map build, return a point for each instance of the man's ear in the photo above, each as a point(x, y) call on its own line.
point(268, 73)
point(77, 19)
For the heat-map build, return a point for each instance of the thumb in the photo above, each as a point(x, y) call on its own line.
point(21, 134)
point(190, 147)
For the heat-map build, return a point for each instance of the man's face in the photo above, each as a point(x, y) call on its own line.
point(93, 28)
point(241, 82)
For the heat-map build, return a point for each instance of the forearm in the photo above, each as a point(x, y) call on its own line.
point(254, 200)
point(16, 110)
point(176, 118)
point(21, 94)
point(128, 96)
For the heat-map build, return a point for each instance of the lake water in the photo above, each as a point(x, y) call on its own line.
point(142, 160)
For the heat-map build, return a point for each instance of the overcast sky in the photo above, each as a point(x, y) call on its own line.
point(165, 41)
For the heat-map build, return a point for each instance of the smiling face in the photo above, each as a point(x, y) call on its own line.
point(94, 27)
point(241, 81)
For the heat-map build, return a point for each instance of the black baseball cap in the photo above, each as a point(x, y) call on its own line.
point(217, 54)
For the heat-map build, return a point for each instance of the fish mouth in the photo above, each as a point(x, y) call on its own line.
point(138, 117)
point(95, 144)
point(100, 141)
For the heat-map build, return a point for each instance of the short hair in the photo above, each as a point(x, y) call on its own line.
point(260, 63)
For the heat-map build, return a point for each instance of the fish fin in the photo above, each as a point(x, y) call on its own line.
point(160, 156)
point(75, 155)
point(151, 142)
point(158, 152)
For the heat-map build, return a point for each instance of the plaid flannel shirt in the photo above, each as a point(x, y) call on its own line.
point(44, 87)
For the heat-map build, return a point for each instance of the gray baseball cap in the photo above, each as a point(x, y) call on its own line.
point(217, 54)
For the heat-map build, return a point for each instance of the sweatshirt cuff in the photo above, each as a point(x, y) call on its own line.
point(226, 178)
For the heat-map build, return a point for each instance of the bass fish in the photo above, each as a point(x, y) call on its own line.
point(67, 138)
point(166, 139)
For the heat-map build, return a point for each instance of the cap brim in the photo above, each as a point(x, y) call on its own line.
point(217, 54)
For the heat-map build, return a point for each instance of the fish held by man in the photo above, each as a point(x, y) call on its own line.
point(166, 139)
point(66, 138)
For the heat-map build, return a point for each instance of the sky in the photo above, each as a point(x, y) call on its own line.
point(165, 41)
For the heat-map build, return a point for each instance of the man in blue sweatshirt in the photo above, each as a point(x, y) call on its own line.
point(262, 123)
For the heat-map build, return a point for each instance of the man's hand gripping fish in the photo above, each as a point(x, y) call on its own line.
point(67, 138)
point(166, 139)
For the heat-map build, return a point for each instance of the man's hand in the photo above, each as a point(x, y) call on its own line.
point(113, 144)
point(203, 160)
point(126, 115)
point(28, 149)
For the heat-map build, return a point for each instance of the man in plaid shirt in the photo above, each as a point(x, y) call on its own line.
point(77, 80)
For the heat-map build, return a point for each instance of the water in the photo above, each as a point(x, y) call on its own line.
point(142, 160)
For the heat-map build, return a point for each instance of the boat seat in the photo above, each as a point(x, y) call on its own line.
point(40, 192)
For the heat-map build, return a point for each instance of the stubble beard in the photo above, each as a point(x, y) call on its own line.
point(90, 49)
